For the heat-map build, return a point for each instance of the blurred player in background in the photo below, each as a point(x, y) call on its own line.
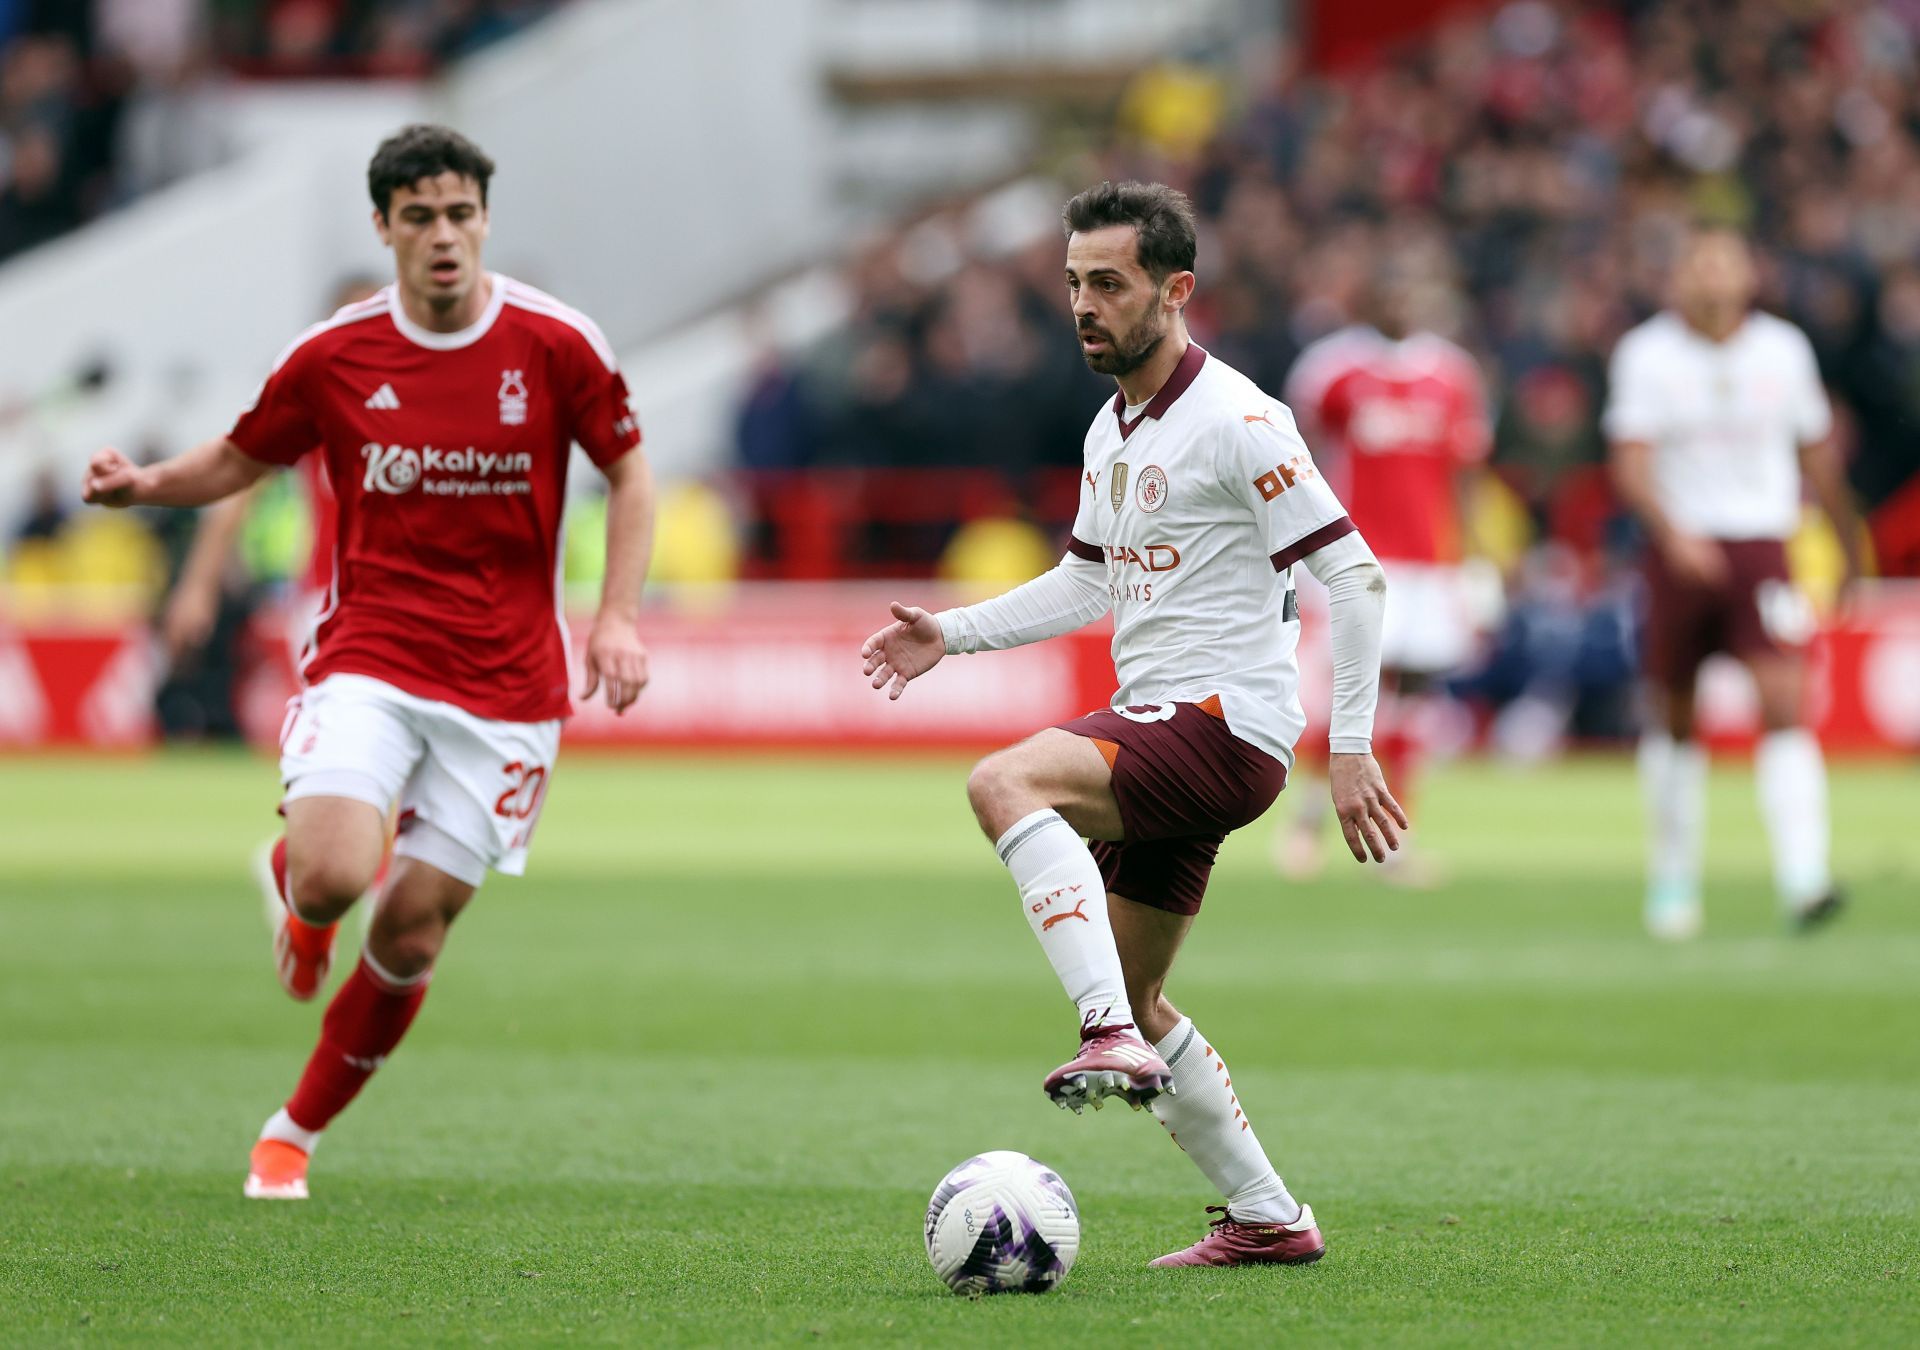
point(1199, 500)
point(1400, 414)
point(191, 610)
point(446, 408)
point(194, 607)
point(1715, 413)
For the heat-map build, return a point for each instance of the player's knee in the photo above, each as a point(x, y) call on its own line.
point(1781, 708)
point(409, 951)
point(1784, 717)
point(1678, 714)
point(324, 888)
point(993, 780)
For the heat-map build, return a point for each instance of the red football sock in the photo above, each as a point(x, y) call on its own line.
point(365, 1021)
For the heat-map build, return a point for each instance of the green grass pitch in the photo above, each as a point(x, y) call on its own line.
point(692, 1080)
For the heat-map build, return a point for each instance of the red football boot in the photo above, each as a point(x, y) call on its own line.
point(1113, 1062)
point(276, 1171)
point(1233, 1243)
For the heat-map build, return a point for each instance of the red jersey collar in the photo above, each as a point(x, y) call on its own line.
point(1183, 375)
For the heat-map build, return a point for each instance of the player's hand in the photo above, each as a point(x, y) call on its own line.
point(1369, 816)
point(112, 480)
point(1697, 559)
point(904, 650)
point(617, 657)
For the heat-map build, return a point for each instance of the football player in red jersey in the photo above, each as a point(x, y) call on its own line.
point(1403, 415)
point(445, 408)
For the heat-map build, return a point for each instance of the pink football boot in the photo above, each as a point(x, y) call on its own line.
point(1113, 1062)
point(1233, 1243)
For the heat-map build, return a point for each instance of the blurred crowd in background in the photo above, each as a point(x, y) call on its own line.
point(1534, 165)
point(1537, 168)
point(101, 100)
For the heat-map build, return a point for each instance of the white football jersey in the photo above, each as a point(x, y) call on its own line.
point(1199, 508)
point(1726, 420)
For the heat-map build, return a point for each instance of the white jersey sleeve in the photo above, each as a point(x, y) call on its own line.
point(1812, 415)
point(1066, 597)
point(1270, 469)
point(1636, 407)
point(1356, 616)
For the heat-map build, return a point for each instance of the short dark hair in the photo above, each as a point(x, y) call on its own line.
point(1161, 216)
point(424, 150)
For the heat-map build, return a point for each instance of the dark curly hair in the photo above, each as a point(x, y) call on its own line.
point(424, 151)
point(1161, 216)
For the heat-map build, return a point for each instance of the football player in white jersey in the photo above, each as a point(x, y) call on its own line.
point(1715, 413)
point(1199, 499)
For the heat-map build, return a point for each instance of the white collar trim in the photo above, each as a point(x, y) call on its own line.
point(448, 342)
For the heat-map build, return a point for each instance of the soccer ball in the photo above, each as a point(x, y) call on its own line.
point(1001, 1222)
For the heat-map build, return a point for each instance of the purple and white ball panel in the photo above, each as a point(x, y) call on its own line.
point(1001, 1222)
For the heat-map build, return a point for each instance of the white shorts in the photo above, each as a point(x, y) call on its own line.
point(1432, 623)
point(473, 783)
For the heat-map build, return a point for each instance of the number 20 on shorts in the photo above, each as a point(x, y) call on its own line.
point(526, 788)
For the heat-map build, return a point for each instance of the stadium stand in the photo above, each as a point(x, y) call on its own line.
point(101, 101)
point(1539, 167)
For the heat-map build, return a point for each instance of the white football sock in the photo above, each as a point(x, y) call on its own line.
point(280, 1126)
point(1791, 776)
point(1673, 777)
point(1065, 901)
point(1204, 1117)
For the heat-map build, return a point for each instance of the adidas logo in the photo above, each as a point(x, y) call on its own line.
point(384, 399)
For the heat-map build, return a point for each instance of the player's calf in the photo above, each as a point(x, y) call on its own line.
point(364, 1023)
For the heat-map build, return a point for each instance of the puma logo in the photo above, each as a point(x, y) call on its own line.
point(1255, 417)
point(1073, 913)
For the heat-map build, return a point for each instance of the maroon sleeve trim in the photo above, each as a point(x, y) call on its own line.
point(1311, 543)
point(1084, 551)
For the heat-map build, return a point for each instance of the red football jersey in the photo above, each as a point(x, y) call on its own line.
point(1402, 418)
point(325, 514)
point(447, 454)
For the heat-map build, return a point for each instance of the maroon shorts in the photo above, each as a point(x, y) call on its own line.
point(1183, 782)
point(1756, 612)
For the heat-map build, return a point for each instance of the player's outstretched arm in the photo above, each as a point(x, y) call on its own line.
point(615, 655)
point(904, 650)
point(1356, 586)
point(206, 473)
point(1059, 600)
